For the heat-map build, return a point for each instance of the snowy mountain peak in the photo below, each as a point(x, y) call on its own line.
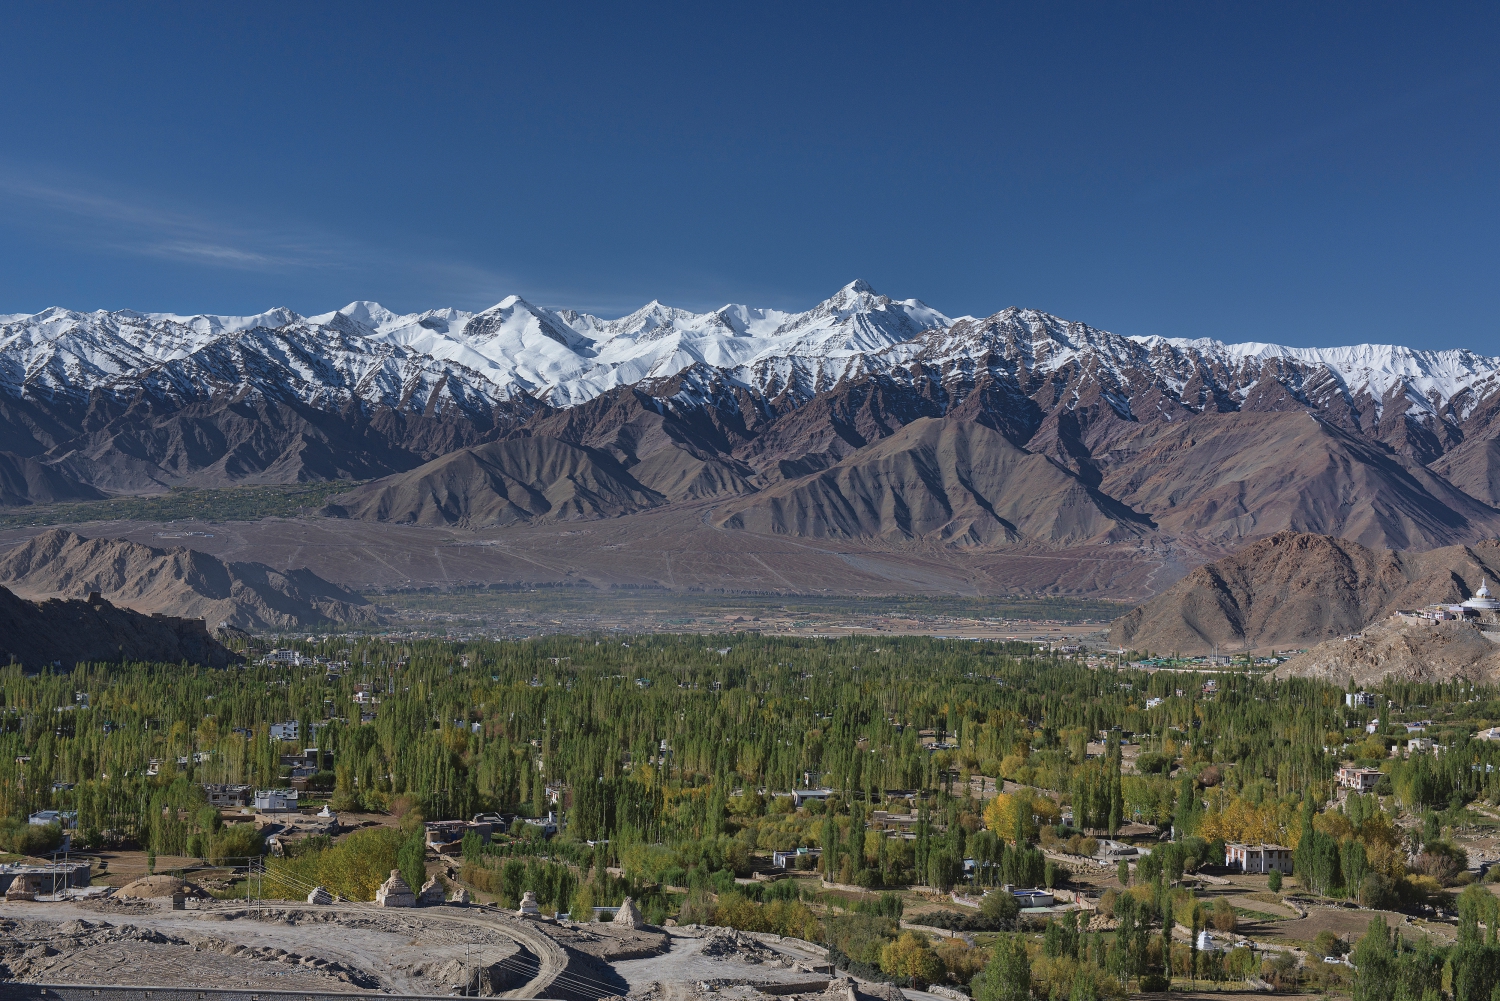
point(567, 357)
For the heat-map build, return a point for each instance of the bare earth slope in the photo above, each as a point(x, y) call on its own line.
point(502, 483)
point(24, 480)
point(1402, 649)
point(36, 634)
point(1294, 589)
point(1230, 477)
point(944, 480)
point(179, 581)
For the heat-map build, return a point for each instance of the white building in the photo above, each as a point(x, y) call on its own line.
point(276, 800)
point(284, 731)
point(1258, 858)
point(1359, 699)
point(1359, 779)
point(1482, 602)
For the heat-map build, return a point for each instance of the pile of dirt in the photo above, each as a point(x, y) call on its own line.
point(729, 943)
point(161, 886)
point(1296, 588)
point(36, 634)
point(1403, 649)
point(62, 564)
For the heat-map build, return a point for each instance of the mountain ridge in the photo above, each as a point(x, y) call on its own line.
point(1295, 589)
point(179, 581)
point(720, 405)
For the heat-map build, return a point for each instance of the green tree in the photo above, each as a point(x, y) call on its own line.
point(411, 860)
point(1007, 976)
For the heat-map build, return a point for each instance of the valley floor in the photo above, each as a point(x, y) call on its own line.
point(675, 550)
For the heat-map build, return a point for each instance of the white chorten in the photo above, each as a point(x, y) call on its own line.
point(1482, 601)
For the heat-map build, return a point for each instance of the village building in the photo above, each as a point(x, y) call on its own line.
point(1260, 858)
point(1359, 779)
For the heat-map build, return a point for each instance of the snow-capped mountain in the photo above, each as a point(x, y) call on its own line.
point(126, 401)
point(564, 358)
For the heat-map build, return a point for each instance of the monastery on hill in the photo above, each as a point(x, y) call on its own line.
point(1481, 608)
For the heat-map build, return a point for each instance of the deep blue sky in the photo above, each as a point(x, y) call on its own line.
point(1307, 173)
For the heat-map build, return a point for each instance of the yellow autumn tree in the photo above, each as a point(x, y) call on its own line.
point(911, 956)
point(1000, 813)
point(1240, 820)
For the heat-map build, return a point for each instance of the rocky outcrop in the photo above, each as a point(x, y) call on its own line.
point(1401, 649)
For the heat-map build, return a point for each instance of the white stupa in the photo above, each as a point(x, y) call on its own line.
point(1482, 602)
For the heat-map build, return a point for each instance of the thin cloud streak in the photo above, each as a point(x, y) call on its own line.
point(136, 227)
point(75, 214)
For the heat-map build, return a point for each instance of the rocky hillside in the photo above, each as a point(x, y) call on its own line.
point(939, 480)
point(1402, 649)
point(25, 480)
point(38, 634)
point(181, 582)
point(1296, 589)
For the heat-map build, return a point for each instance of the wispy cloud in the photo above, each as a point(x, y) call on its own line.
point(74, 212)
point(91, 216)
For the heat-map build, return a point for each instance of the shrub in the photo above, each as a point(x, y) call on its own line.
point(911, 957)
point(1376, 891)
point(1223, 915)
point(24, 838)
point(1153, 762)
point(1273, 881)
point(235, 843)
point(961, 960)
point(1329, 944)
point(353, 869)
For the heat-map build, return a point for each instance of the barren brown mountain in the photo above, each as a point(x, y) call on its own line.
point(939, 479)
point(1229, 477)
point(24, 480)
point(182, 582)
point(1295, 589)
point(37, 634)
point(502, 483)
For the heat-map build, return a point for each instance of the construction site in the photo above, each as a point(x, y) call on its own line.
point(161, 933)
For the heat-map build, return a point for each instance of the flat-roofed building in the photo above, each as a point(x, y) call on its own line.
point(1258, 858)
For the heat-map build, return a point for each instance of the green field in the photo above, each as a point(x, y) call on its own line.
point(249, 503)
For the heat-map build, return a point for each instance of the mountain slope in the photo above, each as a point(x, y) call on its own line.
point(181, 582)
point(940, 480)
point(37, 634)
point(1229, 477)
point(1295, 589)
point(24, 480)
point(1216, 443)
point(1402, 650)
point(501, 484)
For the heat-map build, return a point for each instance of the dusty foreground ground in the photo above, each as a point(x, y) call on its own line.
point(360, 948)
